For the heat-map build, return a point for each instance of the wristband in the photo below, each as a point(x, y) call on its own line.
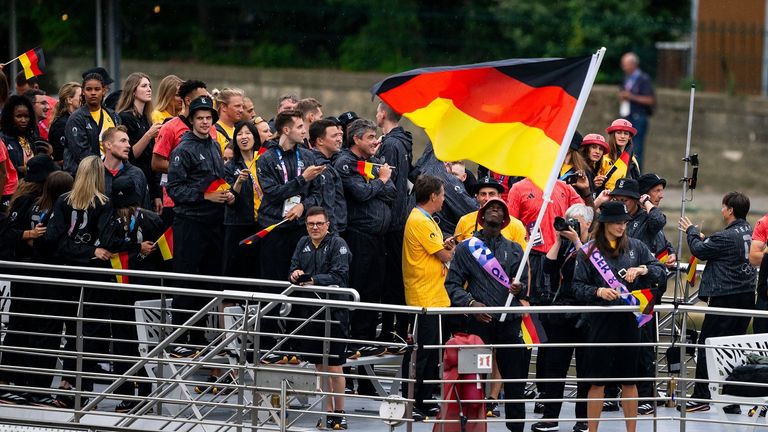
point(471, 302)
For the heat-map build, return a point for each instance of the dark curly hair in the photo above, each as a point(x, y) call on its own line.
point(7, 124)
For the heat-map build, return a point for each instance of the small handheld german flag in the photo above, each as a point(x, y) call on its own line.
point(33, 62)
point(261, 234)
point(533, 332)
point(165, 244)
point(646, 299)
point(119, 261)
point(691, 276)
point(217, 184)
point(365, 169)
point(663, 256)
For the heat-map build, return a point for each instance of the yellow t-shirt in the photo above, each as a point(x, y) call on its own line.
point(514, 232)
point(223, 140)
point(423, 274)
point(160, 116)
point(107, 123)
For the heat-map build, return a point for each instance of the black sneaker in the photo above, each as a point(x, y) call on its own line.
point(330, 421)
point(13, 398)
point(271, 358)
point(341, 420)
point(544, 427)
point(126, 406)
point(216, 387)
point(538, 408)
point(371, 350)
point(530, 394)
point(610, 406)
point(732, 409)
point(183, 352)
point(691, 406)
point(492, 408)
point(646, 408)
point(580, 427)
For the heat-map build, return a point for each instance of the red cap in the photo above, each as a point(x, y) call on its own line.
point(597, 139)
point(481, 213)
point(621, 124)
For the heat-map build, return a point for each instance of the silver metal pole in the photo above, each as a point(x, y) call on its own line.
point(113, 40)
point(694, 36)
point(13, 45)
point(99, 32)
point(683, 200)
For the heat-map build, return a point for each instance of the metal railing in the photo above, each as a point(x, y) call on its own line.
point(250, 393)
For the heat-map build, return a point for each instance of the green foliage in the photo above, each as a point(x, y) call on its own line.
point(388, 36)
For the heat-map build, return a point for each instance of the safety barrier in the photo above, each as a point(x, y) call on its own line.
point(243, 330)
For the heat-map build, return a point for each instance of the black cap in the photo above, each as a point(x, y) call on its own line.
point(348, 117)
point(124, 192)
point(485, 182)
point(626, 187)
point(576, 141)
point(203, 103)
point(648, 181)
point(39, 167)
point(105, 78)
point(613, 211)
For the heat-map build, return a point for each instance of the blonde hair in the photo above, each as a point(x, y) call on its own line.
point(224, 95)
point(127, 97)
point(66, 91)
point(89, 185)
point(166, 92)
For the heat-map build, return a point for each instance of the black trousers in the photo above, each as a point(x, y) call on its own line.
point(647, 366)
point(427, 333)
point(366, 275)
point(43, 322)
point(394, 290)
point(557, 361)
point(198, 249)
point(511, 362)
point(720, 325)
point(241, 261)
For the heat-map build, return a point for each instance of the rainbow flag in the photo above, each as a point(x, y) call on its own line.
point(218, 184)
point(663, 256)
point(520, 107)
point(119, 261)
point(259, 235)
point(165, 244)
point(365, 169)
point(691, 276)
point(533, 332)
point(33, 62)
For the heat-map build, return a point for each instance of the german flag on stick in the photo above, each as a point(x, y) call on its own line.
point(261, 234)
point(33, 62)
point(521, 108)
point(119, 261)
point(165, 244)
point(217, 184)
point(691, 276)
point(663, 256)
point(533, 332)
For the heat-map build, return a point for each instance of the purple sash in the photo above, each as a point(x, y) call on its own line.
point(487, 261)
point(597, 260)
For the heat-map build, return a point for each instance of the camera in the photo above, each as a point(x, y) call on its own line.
point(572, 179)
point(563, 225)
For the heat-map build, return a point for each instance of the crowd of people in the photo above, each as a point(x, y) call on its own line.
point(340, 201)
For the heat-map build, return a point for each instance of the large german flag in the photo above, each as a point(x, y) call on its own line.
point(509, 115)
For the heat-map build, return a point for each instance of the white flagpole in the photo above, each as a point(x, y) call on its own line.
point(586, 88)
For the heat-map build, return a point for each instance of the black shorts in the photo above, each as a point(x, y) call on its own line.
point(313, 348)
point(617, 360)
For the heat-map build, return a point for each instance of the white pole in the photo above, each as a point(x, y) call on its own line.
point(586, 88)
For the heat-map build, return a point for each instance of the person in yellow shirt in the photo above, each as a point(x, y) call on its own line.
point(168, 103)
point(231, 110)
point(424, 256)
point(487, 188)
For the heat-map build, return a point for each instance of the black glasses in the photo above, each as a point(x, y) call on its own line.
point(316, 224)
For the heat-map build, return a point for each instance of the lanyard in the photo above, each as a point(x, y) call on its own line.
point(428, 216)
point(282, 163)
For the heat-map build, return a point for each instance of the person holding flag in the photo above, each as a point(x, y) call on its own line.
point(369, 214)
point(197, 187)
point(619, 162)
point(607, 270)
point(479, 277)
point(728, 281)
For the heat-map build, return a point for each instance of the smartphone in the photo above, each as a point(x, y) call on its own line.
point(303, 278)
